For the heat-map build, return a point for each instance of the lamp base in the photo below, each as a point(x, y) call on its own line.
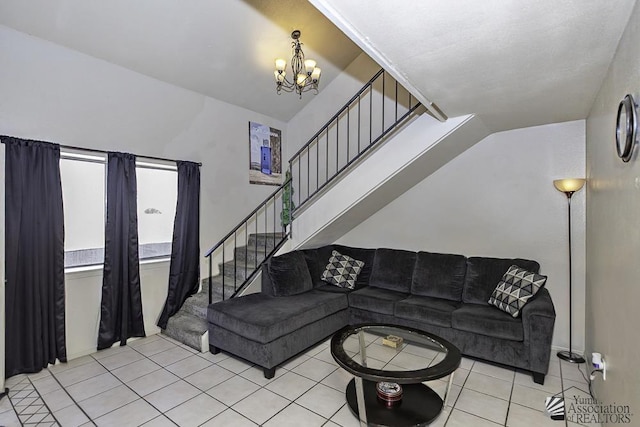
point(570, 357)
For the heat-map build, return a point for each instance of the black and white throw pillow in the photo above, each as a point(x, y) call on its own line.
point(515, 289)
point(342, 270)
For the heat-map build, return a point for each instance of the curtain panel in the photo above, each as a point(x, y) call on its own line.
point(121, 305)
point(34, 290)
point(184, 272)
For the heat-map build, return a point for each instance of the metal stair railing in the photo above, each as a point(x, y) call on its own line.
point(370, 115)
point(378, 108)
point(268, 220)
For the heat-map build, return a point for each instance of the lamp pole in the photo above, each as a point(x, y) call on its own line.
point(568, 187)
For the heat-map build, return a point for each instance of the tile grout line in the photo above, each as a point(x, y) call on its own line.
point(162, 413)
point(513, 382)
point(43, 401)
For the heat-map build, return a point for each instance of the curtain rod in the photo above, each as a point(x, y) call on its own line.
point(93, 150)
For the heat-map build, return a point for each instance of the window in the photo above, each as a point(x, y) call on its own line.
point(157, 196)
point(84, 196)
point(83, 192)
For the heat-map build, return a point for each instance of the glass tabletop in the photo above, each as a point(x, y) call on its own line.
point(380, 352)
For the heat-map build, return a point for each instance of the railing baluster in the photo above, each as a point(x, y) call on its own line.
point(308, 169)
point(299, 186)
point(396, 119)
point(317, 164)
point(337, 142)
point(235, 270)
point(210, 274)
point(383, 99)
point(326, 171)
point(358, 124)
point(255, 261)
point(246, 246)
point(348, 131)
point(223, 270)
point(370, 115)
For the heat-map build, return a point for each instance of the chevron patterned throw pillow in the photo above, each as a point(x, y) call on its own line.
point(342, 270)
point(515, 289)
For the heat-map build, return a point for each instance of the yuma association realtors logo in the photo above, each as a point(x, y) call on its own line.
point(586, 410)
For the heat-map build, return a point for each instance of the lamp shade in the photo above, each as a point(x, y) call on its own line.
point(280, 64)
point(569, 185)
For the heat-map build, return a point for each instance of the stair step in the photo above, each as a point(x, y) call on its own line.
point(238, 269)
point(251, 254)
point(265, 240)
point(187, 329)
point(197, 304)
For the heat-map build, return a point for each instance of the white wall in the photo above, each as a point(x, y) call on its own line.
point(83, 295)
point(56, 94)
point(497, 199)
point(613, 233)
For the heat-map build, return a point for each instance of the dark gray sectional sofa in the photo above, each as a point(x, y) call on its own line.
point(439, 293)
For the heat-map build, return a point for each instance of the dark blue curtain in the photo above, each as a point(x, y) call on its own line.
point(184, 272)
point(34, 222)
point(121, 306)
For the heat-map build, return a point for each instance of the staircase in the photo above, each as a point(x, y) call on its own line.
point(189, 325)
point(378, 112)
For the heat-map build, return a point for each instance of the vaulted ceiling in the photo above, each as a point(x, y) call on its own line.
point(221, 48)
point(514, 63)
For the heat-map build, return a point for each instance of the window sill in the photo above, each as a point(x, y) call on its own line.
point(100, 267)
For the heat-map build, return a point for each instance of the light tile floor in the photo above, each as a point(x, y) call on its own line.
point(156, 381)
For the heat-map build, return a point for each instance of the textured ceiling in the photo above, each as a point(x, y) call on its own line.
point(514, 63)
point(222, 48)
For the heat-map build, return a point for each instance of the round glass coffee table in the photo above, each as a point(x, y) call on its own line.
point(390, 365)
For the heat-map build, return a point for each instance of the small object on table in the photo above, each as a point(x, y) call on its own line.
point(392, 341)
point(389, 393)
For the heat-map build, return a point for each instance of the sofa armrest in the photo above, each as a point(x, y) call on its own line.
point(538, 319)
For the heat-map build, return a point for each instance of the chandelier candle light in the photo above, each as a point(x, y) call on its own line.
point(305, 73)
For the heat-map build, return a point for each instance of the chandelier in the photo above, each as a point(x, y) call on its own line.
point(305, 74)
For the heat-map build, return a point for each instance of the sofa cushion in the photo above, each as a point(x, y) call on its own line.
point(483, 275)
point(515, 289)
point(289, 275)
point(342, 270)
point(393, 270)
point(318, 258)
point(375, 299)
point(439, 275)
point(486, 320)
point(264, 318)
point(316, 262)
point(435, 311)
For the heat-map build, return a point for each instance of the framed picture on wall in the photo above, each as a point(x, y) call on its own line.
point(265, 161)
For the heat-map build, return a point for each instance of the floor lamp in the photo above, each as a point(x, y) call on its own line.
point(569, 186)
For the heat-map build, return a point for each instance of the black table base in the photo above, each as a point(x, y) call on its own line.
point(420, 405)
